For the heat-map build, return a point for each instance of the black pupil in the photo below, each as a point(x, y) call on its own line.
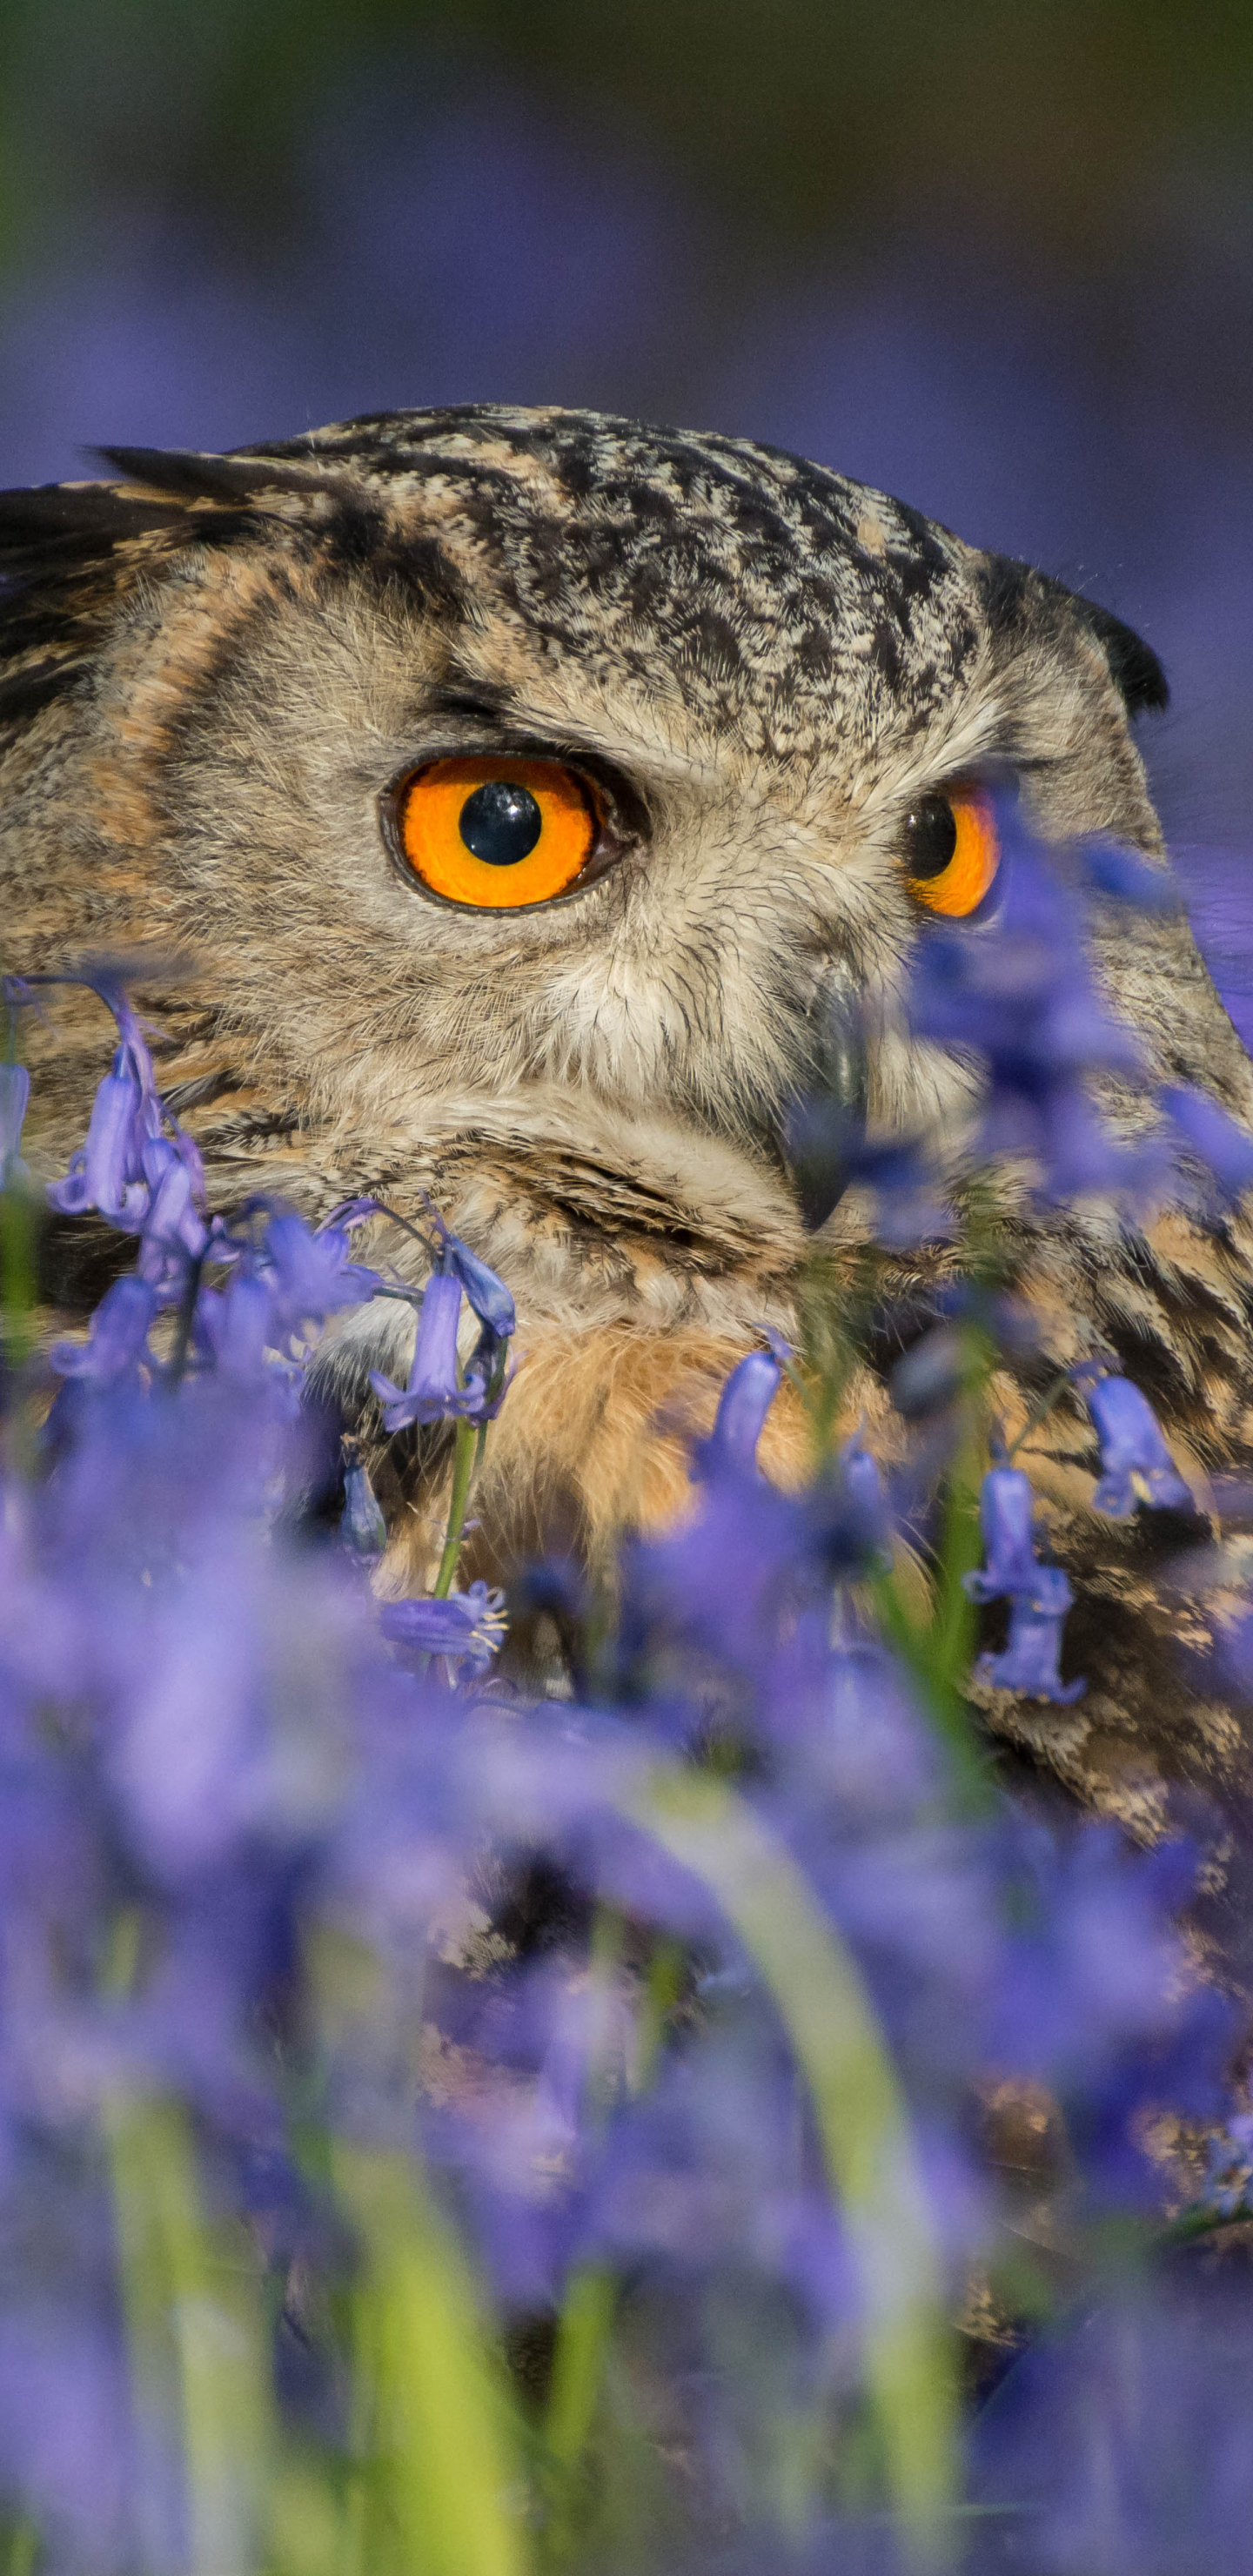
point(501, 823)
point(930, 836)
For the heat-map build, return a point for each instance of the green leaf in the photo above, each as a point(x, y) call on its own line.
point(862, 2122)
point(196, 2335)
point(442, 2476)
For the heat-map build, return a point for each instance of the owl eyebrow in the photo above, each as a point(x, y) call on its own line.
point(495, 706)
point(483, 701)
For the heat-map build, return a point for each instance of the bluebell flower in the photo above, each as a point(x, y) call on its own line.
point(1039, 1595)
point(438, 1390)
point(434, 1392)
point(486, 1378)
point(107, 1172)
point(831, 1151)
point(1006, 1519)
point(173, 1231)
point(466, 1628)
point(1018, 991)
point(142, 1180)
point(232, 1327)
point(1225, 1148)
point(1115, 870)
point(361, 1526)
point(309, 1276)
point(1136, 1465)
point(486, 1294)
point(860, 1479)
point(117, 1338)
point(743, 1404)
point(14, 1095)
point(1029, 1662)
point(1121, 2442)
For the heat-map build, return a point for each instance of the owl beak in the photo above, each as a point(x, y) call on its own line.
point(820, 1127)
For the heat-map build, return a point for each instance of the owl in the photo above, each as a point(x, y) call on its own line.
point(502, 808)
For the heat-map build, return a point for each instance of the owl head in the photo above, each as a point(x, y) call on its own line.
point(521, 807)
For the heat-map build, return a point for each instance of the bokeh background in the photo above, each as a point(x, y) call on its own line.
point(993, 255)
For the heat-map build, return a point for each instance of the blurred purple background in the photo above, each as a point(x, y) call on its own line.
point(461, 233)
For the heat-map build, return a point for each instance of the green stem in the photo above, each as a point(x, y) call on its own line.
point(587, 2314)
point(466, 1457)
point(863, 2126)
point(17, 1273)
point(23, 2548)
point(195, 2335)
point(585, 2325)
point(661, 1993)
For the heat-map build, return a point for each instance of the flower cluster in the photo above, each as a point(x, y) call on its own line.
point(359, 2016)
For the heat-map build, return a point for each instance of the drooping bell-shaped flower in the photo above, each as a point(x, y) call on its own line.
point(861, 1484)
point(1225, 1148)
point(107, 1172)
point(119, 1331)
point(438, 1390)
point(466, 1628)
point(1006, 1511)
point(14, 1094)
point(1136, 1465)
point(232, 1327)
point(487, 1369)
point(361, 1526)
point(485, 1293)
point(745, 1401)
point(1029, 1663)
point(434, 1392)
point(173, 1232)
point(309, 1276)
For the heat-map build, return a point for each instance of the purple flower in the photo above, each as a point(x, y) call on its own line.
point(437, 1389)
point(362, 1526)
point(117, 1341)
point(308, 1275)
point(434, 1392)
point(174, 1232)
point(487, 1376)
point(108, 1171)
point(1029, 1662)
point(140, 1179)
point(1017, 990)
point(862, 1484)
point(14, 1094)
point(486, 1373)
point(1039, 1595)
point(487, 1294)
point(466, 1628)
point(1006, 1511)
point(1225, 1148)
point(745, 1401)
point(1121, 2443)
point(829, 1152)
point(1136, 1465)
point(1129, 878)
point(232, 1326)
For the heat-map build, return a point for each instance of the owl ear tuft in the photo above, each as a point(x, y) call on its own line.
point(1015, 592)
point(186, 475)
point(1134, 667)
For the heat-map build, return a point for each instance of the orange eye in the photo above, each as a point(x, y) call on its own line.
point(951, 851)
point(497, 833)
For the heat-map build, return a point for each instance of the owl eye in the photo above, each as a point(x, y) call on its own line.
point(497, 833)
point(951, 851)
